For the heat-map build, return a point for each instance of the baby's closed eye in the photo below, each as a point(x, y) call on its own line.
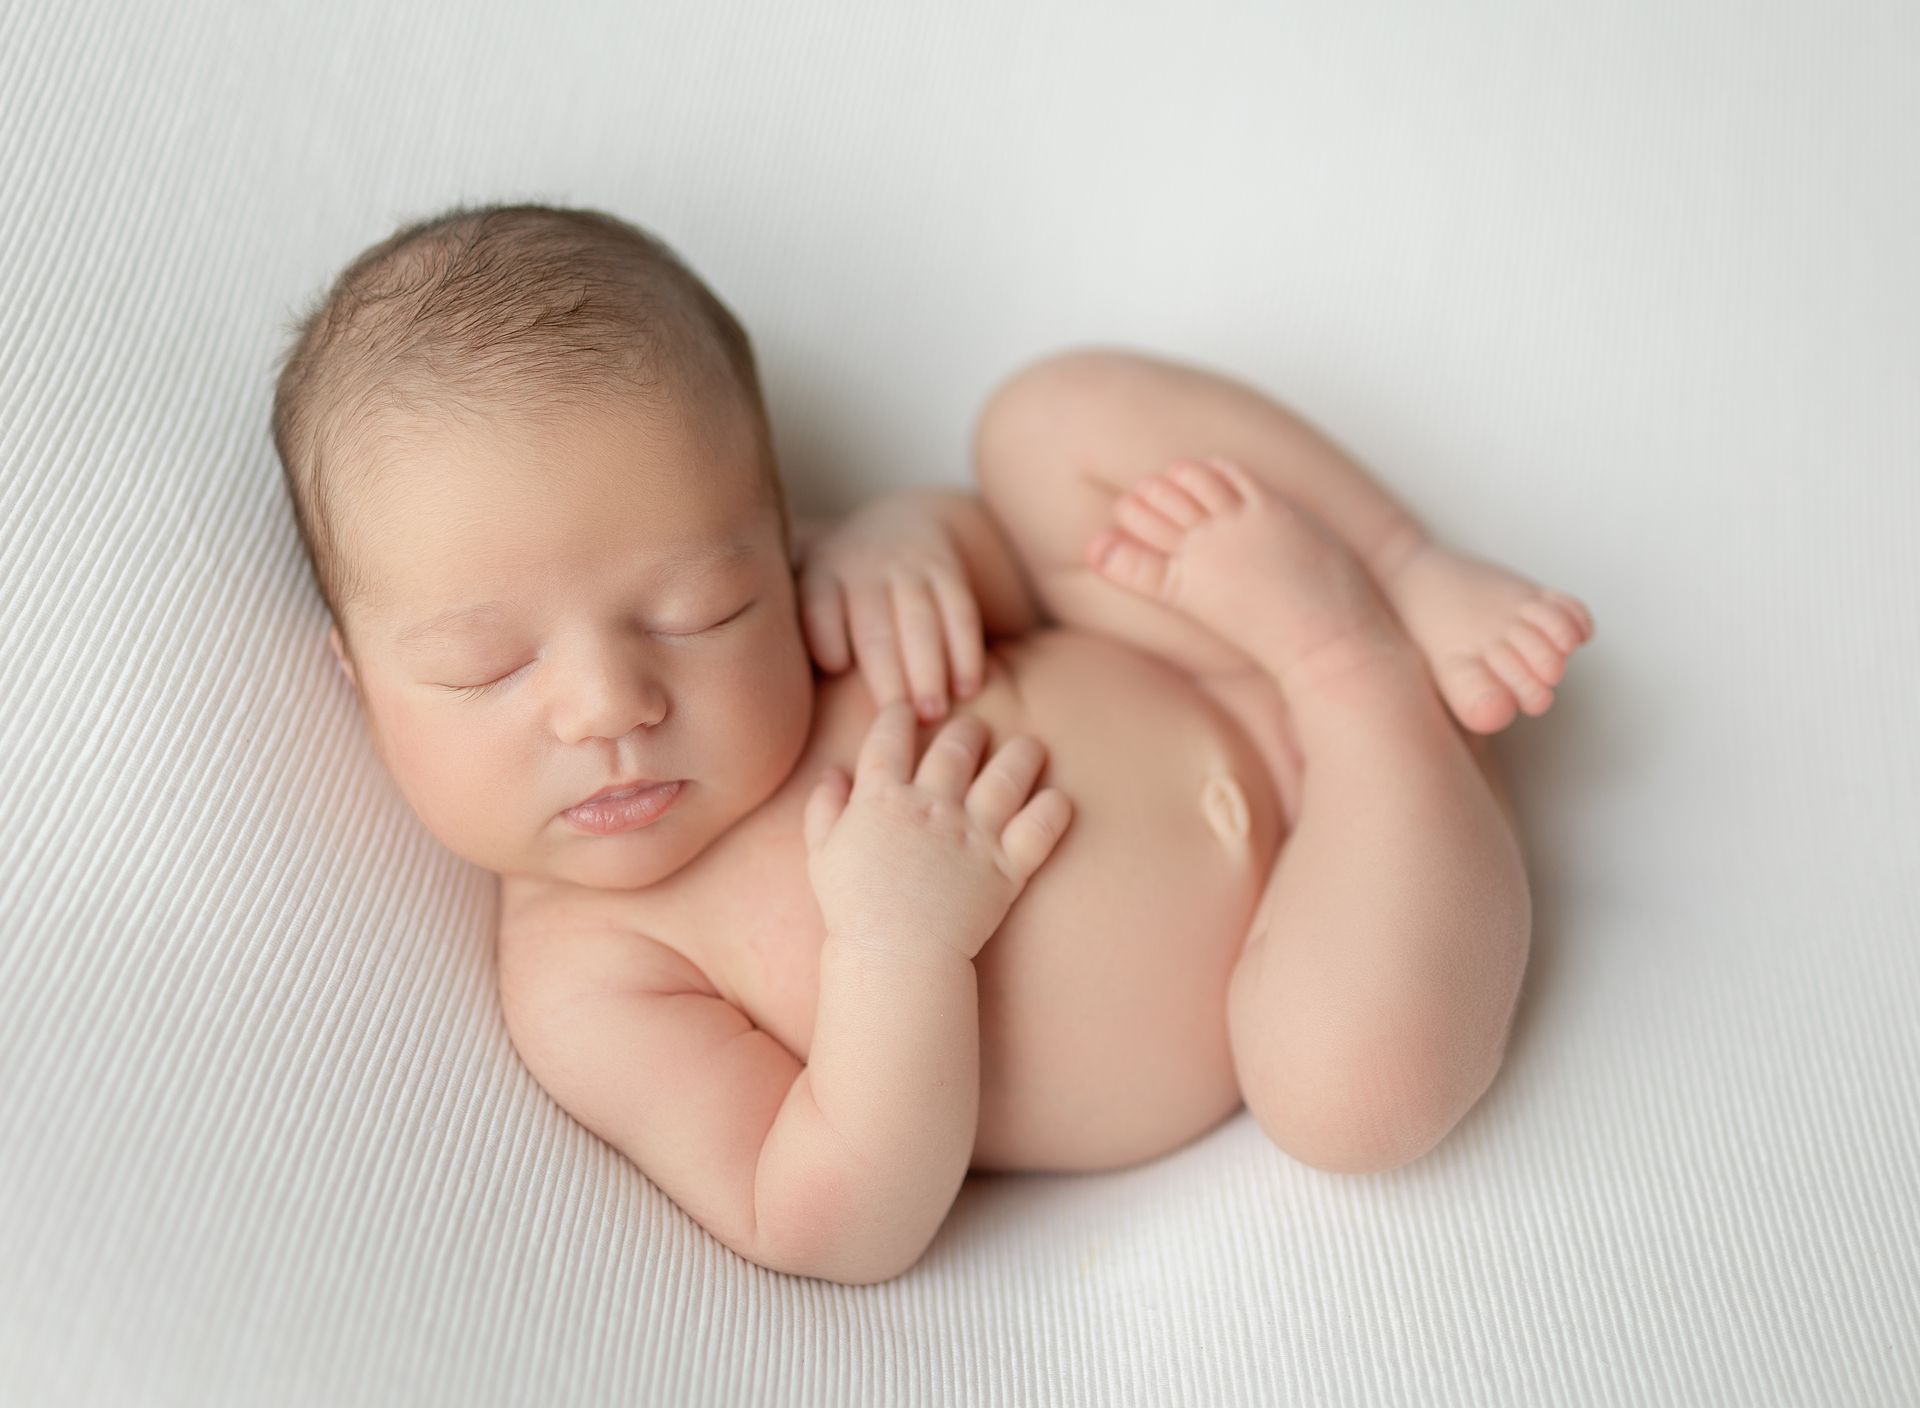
point(471, 691)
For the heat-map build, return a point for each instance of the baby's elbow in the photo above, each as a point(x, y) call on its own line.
point(840, 1239)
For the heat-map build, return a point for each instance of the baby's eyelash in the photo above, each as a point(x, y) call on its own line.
point(469, 691)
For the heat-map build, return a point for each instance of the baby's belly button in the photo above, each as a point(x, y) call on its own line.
point(1224, 805)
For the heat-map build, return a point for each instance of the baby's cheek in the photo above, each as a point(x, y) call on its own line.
point(435, 762)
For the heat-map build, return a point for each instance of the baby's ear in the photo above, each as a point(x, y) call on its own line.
point(340, 654)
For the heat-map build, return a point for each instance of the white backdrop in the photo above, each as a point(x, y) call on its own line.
point(1624, 295)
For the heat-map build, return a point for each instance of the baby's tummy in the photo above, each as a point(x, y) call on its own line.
point(1103, 1037)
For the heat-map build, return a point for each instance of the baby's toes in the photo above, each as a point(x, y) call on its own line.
point(1575, 608)
point(1548, 664)
point(1556, 623)
point(1173, 500)
point(1126, 563)
point(1207, 484)
point(1477, 699)
point(1146, 522)
point(1535, 698)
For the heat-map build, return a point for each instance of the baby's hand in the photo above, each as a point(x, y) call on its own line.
point(891, 577)
point(932, 865)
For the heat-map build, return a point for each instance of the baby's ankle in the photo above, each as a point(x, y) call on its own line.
point(1399, 547)
point(1360, 661)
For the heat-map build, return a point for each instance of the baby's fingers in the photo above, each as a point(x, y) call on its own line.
point(824, 611)
point(875, 642)
point(887, 753)
point(1031, 836)
point(1028, 835)
point(1003, 784)
point(920, 642)
point(965, 636)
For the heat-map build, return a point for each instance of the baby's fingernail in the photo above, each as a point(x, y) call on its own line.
point(932, 707)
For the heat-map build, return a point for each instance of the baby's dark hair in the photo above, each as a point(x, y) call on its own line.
point(531, 311)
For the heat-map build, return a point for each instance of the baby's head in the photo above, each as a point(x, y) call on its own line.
point(534, 477)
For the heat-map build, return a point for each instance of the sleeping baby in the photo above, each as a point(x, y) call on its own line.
point(1032, 828)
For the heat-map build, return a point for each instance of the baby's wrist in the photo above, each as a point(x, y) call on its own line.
point(888, 947)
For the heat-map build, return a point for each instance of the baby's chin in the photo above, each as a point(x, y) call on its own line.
point(608, 863)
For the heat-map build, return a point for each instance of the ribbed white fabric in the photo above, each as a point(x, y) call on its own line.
point(1624, 295)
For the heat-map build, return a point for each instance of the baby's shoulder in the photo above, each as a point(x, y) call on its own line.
point(549, 956)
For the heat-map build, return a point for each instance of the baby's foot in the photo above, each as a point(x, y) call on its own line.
point(1490, 637)
point(1251, 565)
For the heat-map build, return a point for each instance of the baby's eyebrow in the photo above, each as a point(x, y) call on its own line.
point(453, 622)
point(449, 623)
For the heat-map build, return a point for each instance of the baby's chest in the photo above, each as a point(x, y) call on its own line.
point(762, 937)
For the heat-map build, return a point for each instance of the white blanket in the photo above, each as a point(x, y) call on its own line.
point(1623, 295)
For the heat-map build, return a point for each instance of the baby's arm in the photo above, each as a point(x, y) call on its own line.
point(1008, 606)
point(1005, 595)
point(843, 1167)
point(910, 587)
point(868, 1151)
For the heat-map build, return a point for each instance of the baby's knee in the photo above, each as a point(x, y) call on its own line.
point(1069, 372)
point(1062, 390)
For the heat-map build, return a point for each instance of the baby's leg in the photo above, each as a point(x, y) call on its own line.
point(1112, 417)
point(1370, 1007)
point(1066, 440)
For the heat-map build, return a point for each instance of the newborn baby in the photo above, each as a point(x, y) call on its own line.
point(836, 860)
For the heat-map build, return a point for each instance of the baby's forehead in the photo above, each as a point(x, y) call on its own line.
point(463, 478)
point(553, 437)
point(684, 534)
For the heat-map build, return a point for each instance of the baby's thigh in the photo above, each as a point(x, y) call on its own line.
point(1480, 748)
point(1113, 416)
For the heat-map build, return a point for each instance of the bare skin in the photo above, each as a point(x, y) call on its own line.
point(1370, 1004)
point(1487, 634)
point(810, 1088)
point(1342, 970)
point(1491, 637)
